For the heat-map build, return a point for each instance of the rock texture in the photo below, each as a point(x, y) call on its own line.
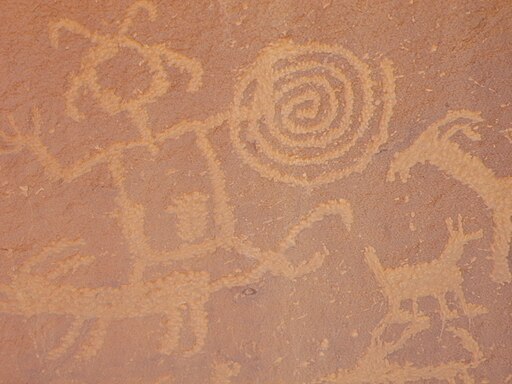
point(255, 192)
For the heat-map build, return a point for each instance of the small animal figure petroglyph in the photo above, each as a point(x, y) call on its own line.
point(375, 367)
point(435, 278)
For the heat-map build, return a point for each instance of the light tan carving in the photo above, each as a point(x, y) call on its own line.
point(435, 278)
point(106, 47)
point(222, 372)
point(305, 115)
point(309, 114)
point(31, 294)
point(434, 146)
point(275, 261)
point(192, 213)
point(375, 367)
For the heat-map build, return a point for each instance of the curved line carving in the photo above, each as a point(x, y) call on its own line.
point(308, 114)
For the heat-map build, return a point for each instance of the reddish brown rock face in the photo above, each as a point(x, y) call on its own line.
point(255, 192)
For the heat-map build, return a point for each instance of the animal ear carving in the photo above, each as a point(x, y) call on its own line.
point(435, 279)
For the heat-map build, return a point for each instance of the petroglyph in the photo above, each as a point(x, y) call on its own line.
point(223, 372)
point(302, 114)
point(435, 278)
point(434, 146)
point(31, 294)
point(275, 261)
point(375, 367)
point(105, 47)
point(309, 114)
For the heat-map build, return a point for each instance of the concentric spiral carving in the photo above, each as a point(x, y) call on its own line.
point(310, 115)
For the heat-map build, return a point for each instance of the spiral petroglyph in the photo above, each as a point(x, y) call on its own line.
point(311, 114)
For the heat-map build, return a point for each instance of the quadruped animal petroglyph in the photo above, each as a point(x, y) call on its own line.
point(434, 146)
point(31, 294)
point(436, 278)
point(302, 116)
point(189, 289)
point(375, 366)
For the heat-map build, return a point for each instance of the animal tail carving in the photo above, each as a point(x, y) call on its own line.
point(339, 208)
point(275, 261)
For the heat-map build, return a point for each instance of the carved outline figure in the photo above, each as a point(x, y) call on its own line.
point(132, 215)
point(434, 146)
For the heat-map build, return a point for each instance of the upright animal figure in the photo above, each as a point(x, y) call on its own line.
point(435, 147)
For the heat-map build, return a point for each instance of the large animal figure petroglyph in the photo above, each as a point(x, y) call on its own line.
point(436, 278)
point(435, 146)
point(192, 289)
point(31, 294)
